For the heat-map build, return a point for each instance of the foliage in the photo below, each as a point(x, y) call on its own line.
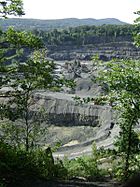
point(17, 165)
point(23, 76)
point(87, 35)
point(20, 39)
point(11, 7)
point(123, 80)
point(13, 50)
point(18, 77)
point(85, 166)
point(24, 79)
point(16, 125)
point(137, 33)
point(77, 36)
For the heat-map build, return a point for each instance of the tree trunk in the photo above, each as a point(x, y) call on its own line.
point(126, 170)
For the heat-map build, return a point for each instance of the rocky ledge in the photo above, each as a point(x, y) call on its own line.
point(62, 110)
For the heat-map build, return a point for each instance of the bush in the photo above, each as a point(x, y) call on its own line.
point(87, 166)
point(84, 166)
point(17, 165)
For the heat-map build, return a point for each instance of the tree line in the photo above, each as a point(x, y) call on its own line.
point(86, 35)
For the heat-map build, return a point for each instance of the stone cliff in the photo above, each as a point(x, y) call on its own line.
point(106, 51)
point(75, 126)
point(70, 122)
point(62, 110)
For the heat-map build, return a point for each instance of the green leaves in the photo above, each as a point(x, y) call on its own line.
point(123, 77)
point(137, 19)
point(24, 75)
point(123, 80)
point(137, 33)
point(11, 7)
point(23, 39)
point(22, 78)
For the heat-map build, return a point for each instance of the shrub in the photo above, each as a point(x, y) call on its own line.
point(17, 165)
point(84, 166)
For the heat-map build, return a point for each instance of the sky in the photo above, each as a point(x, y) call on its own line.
point(97, 9)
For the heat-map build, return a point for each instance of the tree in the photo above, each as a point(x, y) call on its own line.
point(7, 7)
point(12, 52)
point(11, 7)
point(23, 76)
point(137, 33)
point(36, 73)
point(123, 80)
point(123, 91)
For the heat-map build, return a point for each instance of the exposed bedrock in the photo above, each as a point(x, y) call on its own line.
point(106, 51)
point(62, 110)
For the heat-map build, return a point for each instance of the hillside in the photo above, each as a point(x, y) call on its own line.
point(30, 24)
point(83, 42)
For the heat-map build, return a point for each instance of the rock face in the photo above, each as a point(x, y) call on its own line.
point(70, 121)
point(106, 51)
point(62, 110)
point(76, 126)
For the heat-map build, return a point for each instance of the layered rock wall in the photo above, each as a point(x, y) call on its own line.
point(106, 51)
point(66, 112)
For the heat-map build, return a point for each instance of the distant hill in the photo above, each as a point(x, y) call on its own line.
point(30, 24)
